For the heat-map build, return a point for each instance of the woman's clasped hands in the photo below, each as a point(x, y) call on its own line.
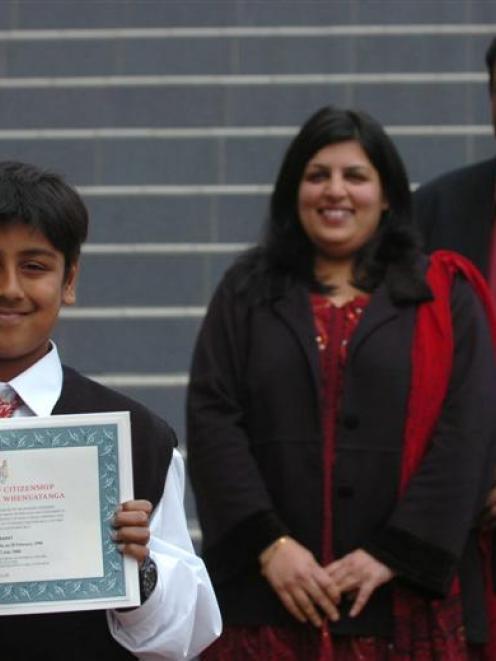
point(358, 575)
point(311, 592)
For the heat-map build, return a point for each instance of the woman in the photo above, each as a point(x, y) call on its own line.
point(341, 421)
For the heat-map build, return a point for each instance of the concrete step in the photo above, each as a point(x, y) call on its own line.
point(182, 218)
point(270, 104)
point(152, 280)
point(218, 161)
point(109, 55)
point(143, 346)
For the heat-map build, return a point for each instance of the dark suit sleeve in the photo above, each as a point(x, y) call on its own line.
point(232, 499)
point(424, 538)
point(456, 212)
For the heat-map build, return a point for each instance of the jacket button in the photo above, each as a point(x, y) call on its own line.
point(350, 421)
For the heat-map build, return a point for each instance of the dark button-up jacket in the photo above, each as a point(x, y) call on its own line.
point(255, 445)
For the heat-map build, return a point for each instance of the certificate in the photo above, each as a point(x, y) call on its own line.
point(61, 479)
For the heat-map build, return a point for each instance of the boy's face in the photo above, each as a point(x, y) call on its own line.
point(33, 286)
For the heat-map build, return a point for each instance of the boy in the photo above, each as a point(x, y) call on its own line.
point(43, 223)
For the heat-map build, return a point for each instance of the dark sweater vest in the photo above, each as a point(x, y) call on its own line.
point(85, 635)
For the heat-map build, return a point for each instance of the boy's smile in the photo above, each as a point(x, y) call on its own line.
point(33, 286)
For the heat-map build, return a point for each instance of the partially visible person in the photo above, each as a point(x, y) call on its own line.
point(43, 223)
point(457, 211)
point(341, 421)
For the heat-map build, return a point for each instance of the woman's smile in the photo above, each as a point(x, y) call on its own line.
point(336, 214)
point(340, 200)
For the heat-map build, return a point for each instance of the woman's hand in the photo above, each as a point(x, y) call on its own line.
point(132, 529)
point(300, 582)
point(360, 573)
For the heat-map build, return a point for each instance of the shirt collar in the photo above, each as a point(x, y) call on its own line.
point(41, 384)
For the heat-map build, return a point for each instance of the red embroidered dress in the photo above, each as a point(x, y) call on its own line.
point(334, 327)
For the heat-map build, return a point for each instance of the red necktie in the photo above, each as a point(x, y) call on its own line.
point(9, 405)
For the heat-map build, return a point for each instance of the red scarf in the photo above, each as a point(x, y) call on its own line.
point(426, 629)
point(433, 345)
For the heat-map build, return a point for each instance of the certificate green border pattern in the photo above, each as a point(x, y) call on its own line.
point(112, 583)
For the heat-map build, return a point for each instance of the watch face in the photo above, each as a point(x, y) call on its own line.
point(147, 578)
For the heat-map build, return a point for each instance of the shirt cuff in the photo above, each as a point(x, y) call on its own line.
point(242, 546)
point(138, 616)
point(260, 531)
point(415, 561)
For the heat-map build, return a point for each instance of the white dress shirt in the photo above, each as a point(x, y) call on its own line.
point(181, 616)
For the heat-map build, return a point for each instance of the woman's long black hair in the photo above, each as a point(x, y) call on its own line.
point(393, 250)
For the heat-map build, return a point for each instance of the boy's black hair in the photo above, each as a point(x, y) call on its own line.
point(44, 201)
point(491, 62)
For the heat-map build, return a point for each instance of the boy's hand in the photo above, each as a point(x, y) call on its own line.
point(132, 528)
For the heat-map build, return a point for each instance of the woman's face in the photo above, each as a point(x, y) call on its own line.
point(340, 200)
